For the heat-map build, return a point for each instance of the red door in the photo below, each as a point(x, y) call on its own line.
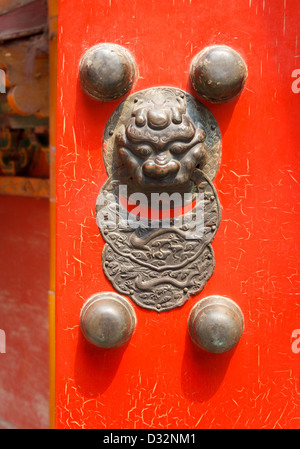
point(160, 379)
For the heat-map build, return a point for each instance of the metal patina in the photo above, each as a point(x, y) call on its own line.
point(161, 140)
point(107, 71)
point(218, 73)
point(107, 320)
point(216, 324)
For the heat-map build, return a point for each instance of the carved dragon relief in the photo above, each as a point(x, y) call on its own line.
point(162, 144)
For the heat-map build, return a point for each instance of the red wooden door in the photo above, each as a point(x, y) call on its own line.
point(161, 379)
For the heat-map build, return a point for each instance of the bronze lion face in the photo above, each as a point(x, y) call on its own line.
point(160, 145)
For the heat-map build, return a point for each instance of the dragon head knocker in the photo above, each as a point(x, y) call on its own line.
point(160, 144)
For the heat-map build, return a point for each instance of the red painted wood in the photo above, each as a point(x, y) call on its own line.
point(160, 380)
point(24, 284)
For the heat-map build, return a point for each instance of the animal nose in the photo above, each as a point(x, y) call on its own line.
point(158, 119)
point(155, 169)
point(161, 159)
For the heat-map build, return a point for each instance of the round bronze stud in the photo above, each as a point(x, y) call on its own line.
point(218, 73)
point(216, 324)
point(107, 320)
point(107, 71)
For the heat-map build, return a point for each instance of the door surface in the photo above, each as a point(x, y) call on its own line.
point(160, 379)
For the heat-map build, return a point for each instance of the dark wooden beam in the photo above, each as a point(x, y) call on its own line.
point(26, 20)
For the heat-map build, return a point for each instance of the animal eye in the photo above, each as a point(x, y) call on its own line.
point(177, 149)
point(143, 151)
